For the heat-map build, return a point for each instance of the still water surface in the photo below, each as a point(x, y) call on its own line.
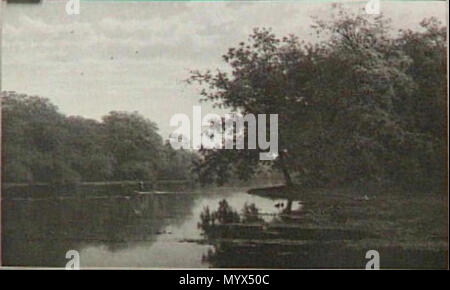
point(116, 228)
point(123, 230)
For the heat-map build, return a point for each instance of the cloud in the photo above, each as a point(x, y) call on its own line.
point(134, 56)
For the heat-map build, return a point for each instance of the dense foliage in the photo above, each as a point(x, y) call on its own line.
point(362, 104)
point(39, 144)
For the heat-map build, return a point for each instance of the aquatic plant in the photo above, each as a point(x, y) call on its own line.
point(225, 214)
point(250, 214)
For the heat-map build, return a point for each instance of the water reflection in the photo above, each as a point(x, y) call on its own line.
point(112, 230)
point(284, 241)
point(120, 229)
point(291, 239)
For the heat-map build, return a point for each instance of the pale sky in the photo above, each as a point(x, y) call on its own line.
point(135, 56)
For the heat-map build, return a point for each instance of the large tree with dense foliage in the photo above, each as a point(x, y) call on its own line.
point(362, 104)
point(134, 143)
point(33, 141)
point(39, 144)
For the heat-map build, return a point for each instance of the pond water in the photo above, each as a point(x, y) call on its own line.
point(123, 230)
point(116, 228)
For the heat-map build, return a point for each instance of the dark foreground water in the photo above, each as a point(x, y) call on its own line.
point(122, 229)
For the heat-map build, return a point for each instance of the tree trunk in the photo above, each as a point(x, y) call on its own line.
point(288, 208)
point(285, 171)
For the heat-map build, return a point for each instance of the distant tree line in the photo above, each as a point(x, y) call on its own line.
point(40, 144)
point(362, 104)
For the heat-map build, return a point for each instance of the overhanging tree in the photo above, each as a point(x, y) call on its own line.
point(341, 101)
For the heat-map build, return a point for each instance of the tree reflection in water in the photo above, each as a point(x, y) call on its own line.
point(290, 240)
point(38, 232)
